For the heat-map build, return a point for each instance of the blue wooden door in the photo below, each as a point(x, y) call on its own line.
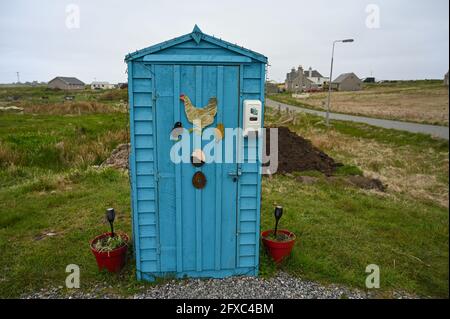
point(197, 228)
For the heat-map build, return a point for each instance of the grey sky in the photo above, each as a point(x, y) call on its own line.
point(411, 43)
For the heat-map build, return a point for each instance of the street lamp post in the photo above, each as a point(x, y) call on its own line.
point(331, 79)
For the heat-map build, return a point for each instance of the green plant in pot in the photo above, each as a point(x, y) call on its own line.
point(110, 249)
point(279, 243)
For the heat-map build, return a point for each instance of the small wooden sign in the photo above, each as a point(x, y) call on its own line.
point(199, 180)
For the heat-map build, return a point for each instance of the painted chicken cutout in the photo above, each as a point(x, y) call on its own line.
point(200, 117)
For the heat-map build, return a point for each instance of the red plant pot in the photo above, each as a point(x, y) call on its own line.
point(278, 250)
point(112, 260)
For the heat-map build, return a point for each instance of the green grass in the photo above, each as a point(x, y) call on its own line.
point(389, 136)
point(340, 230)
point(57, 142)
point(348, 170)
point(46, 185)
point(43, 95)
point(75, 213)
point(415, 84)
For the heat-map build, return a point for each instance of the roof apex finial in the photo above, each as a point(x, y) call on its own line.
point(196, 29)
point(196, 34)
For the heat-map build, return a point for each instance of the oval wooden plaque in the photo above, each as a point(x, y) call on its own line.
point(199, 180)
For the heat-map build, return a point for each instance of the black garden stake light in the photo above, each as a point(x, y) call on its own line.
point(278, 213)
point(281, 246)
point(110, 251)
point(110, 216)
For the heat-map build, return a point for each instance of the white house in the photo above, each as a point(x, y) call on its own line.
point(101, 85)
point(315, 77)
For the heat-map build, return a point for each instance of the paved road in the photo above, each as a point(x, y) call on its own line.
point(435, 130)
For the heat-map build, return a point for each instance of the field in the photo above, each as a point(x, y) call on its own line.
point(413, 101)
point(53, 196)
point(41, 100)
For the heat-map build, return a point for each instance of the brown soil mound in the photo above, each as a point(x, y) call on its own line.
point(118, 158)
point(366, 183)
point(296, 154)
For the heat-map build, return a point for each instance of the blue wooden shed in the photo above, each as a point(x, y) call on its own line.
point(179, 229)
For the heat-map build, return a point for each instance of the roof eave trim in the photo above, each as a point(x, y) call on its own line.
point(187, 37)
point(233, 47)
point(157, 47)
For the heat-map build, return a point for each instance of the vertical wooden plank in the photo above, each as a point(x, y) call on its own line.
point(229, 186)
point(132, 162)
point(155, 167)
point(178, 193)
point(258, 197)
point(219, 176)
point(239, 165)
point(166, 168)
point(198, 192)
point(209, 89)
point(188, 211)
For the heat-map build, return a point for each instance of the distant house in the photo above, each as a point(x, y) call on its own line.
point(101, 85)
point(301, 80)
point(317, 80)
point(446, 79)
point(281, 87)
point(66, 83)
point(347, 82)
point(295, 80)
point(271, 87)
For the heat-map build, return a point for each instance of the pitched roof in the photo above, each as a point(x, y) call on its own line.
point(314, 74)
point(69, 80)
point(344, 76)
point(197, 35)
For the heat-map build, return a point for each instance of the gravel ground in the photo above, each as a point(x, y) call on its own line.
point(282, 286)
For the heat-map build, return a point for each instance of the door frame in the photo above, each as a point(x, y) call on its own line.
point(178, 208)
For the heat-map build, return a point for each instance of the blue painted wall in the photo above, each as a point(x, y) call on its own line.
point(179, 230)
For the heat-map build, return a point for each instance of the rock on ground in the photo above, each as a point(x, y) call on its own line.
point(11, 109)
point(118, 157)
